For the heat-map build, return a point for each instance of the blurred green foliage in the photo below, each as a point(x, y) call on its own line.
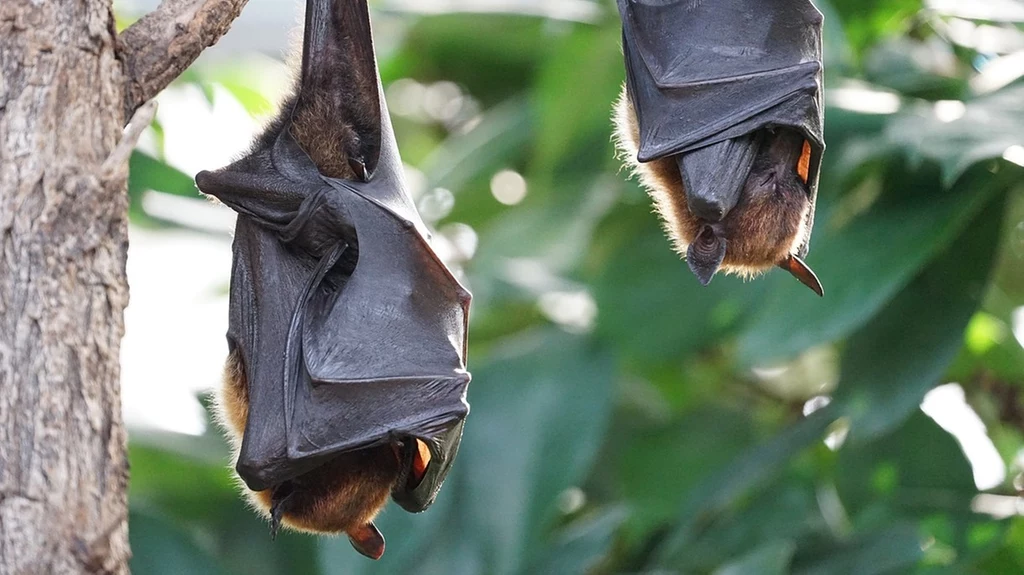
point(666, 433)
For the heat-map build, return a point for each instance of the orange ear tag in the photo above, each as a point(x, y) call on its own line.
point(803, 166)
point(421, 461)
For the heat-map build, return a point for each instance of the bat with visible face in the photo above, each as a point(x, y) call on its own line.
point(721, 117)
point(346, 380)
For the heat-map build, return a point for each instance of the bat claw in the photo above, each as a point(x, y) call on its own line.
point(367, 540)
point(359, 168)
point(275, 523)
point(279, 497)
point(802, 272)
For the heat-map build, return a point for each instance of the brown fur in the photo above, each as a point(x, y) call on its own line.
point(338, 102)
point(325, 140)
point(342, 495)
point(761, 231)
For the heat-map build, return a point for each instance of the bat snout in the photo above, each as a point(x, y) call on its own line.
point(713, 176)
point(708, 209)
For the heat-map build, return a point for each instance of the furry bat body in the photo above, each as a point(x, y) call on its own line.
point(346, 379)
point(721, 118)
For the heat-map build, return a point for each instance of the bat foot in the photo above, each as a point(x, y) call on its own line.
point(279, 498)
point(275, 526)
point(359, 169)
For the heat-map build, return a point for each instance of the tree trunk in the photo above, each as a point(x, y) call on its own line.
point(63, 245)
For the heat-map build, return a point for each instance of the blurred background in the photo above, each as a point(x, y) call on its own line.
point(624, 419)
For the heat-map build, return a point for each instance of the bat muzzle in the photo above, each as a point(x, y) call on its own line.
point(714, 176)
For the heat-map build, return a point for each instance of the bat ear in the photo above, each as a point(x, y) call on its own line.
point(368, 540)
point(802, 272)
point(426, 463)
point(339, 74)
point(705, 255)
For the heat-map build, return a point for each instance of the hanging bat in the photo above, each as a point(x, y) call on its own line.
point(721, 118)
point(346, 379)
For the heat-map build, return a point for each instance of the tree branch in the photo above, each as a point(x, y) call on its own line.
point(162, 44)
point(116, 164)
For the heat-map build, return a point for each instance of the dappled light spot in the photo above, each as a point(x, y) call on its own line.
point(949, 110)
point(815, 403)
point(998, 73)
point(436, 204)
point(837, 432)
point(442, 101)
point(1018, 325)
point(571, 500)
point(948, 406)
point(463, 238)
point(405, 97)
point(574, 311)
point(508, 187)
point(1015, 154)
point(415, 181)
point(984, 332)
point(865, 100)
point(998, 506)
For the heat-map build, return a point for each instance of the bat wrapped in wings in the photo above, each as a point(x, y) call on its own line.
point(346, 380)
point(721, 117)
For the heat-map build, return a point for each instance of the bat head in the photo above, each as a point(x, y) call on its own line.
point(335, 113)
point(344, 494)
point(739, 206)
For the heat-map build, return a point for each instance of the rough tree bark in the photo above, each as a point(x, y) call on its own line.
point(65, 87)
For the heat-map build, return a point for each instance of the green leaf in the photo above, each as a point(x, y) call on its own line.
point(990, 125)
point(923, 68)
point(576, 136)
point(865, 21)
point(202, 498)
point(159, 547)
point(149, 173)
point(582, 546)
point(538, 416)
point(747, 472)
point(883, 552)
point(911, 228)
point(485, 149)
point(772, 558)
point(917, 469)
point(900, 354)
point(492, 57)
point(649, 304)
point(656, 465)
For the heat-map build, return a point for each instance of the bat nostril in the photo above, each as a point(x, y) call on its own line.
point(711, 210)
